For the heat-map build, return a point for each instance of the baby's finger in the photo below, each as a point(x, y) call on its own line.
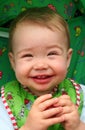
point(47, 104)
point(64, 101)
point(54, 120)
point(52, 112)
point(67, 110)
point(64, 97)
point(42, 98)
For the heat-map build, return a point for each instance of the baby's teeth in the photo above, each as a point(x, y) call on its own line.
point(41, 76)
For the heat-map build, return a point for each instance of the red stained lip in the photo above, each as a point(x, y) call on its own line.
point(42, 79)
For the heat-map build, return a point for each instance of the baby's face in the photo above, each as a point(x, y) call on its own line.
point(41, 58)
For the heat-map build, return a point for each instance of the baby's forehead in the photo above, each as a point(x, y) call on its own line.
point(55, 28)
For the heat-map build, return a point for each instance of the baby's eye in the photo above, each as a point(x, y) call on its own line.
point(52, 53)
point(27, 55)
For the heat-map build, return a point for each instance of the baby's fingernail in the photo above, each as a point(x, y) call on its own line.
point(50, 95)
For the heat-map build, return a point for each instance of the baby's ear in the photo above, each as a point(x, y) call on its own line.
point(11, 59)
point(69, 56)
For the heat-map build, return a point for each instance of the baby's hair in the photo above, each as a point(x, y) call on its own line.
point(43, 16)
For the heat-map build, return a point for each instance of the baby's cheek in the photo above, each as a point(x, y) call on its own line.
point(62, 69)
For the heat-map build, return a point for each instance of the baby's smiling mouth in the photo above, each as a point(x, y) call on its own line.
point(42, 76)
point(42, 79)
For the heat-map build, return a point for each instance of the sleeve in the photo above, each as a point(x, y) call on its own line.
point(5, 123)
point(83, 110)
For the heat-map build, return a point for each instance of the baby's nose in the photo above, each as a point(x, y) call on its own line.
point(40, 65)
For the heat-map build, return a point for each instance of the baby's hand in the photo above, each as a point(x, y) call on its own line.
point(43, 114)
point(69, 113)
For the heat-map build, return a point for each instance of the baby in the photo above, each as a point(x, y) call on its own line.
point(40, 55)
